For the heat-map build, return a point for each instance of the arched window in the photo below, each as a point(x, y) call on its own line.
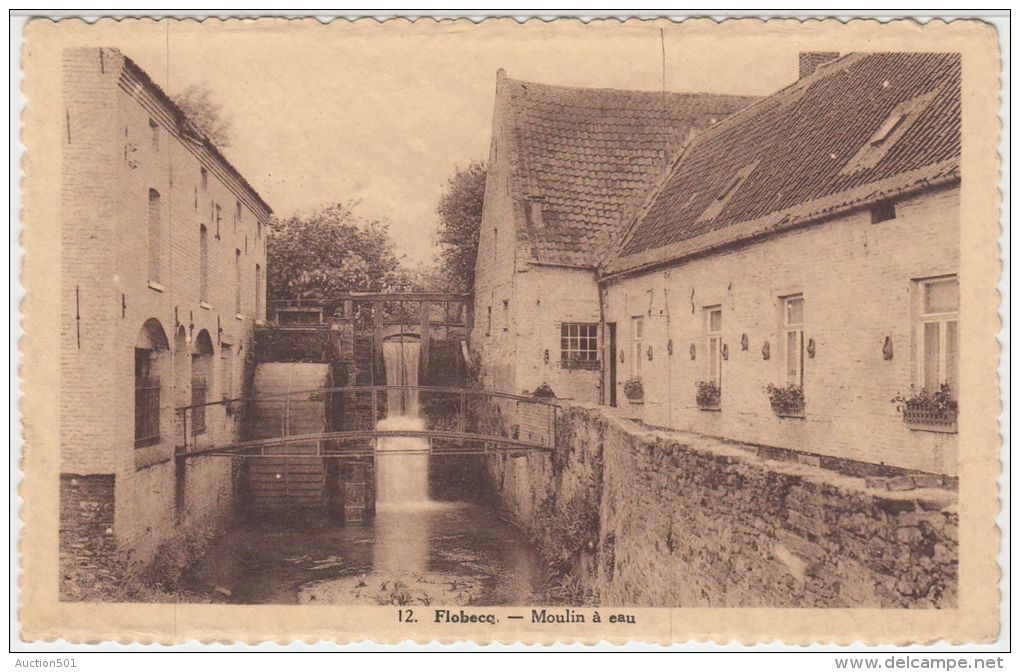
point(201, 379)
point(150, 360)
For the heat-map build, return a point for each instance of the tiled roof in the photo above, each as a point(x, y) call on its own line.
point(592, 154)
point(833, 133)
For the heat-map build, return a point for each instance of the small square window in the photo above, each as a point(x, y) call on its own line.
point(883, 212)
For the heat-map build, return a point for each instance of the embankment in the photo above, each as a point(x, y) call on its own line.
point(638, 517)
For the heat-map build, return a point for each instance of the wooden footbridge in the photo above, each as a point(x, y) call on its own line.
point(317, 420)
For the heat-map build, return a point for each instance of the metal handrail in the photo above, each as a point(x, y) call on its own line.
point(543, 401)
point(233, 449)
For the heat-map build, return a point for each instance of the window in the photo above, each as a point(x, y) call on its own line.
point(150, 351)
point(938, 333)
point(237, 281)
point(258, 292)
point(219, 218)
point(722, 198)
point(154, 133)
point(488, 321)
point(237, 214)
point(579, 346)
point(713, 345)
point(883, 212)
point(147, 392)
point(201, 370)
point(637, 335)
point(793, 338)
point(495, 243)
point(226, 371)
point(155, 235)
point(204, 178)
point(888, 133)
point(203, 263)
point(506, 314)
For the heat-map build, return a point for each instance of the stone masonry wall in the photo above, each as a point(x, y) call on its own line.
point(689, 521)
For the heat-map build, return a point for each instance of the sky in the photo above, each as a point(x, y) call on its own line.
point(383, 114)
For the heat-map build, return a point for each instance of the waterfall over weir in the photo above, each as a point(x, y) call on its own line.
point(402, 463)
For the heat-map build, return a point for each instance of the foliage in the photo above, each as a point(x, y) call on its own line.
point(543, 391)
point(329, 251)
point(205, 114)
point(634, 389)
point(786, 400)
point(460, 220)
point(709, 394)
point(940, 402)
point(564, 532)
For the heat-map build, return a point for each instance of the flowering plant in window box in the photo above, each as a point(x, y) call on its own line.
point(634, 390)
point(787, 401)
point(934, 410)
point(578, 362)
point(709, 395)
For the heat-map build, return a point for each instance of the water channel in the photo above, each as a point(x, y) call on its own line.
point(429, 542)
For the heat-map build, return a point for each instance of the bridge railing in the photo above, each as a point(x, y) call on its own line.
point(450, 416)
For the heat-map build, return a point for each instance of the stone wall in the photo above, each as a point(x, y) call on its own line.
point(87, 545)
point(689, 521)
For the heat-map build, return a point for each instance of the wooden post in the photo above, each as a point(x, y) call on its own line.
point(462, 420)
point(375, 409)
point(377, 336)
point(424, 319)
point(469, 314)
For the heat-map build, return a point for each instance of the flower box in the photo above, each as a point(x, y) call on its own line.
point(709, 396)
point(578, 364)
point(929, 411)
point(634, 391)
point(788, 401)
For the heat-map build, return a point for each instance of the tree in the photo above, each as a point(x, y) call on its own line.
point(460, 220)
point(201, 108)
point(330, 251)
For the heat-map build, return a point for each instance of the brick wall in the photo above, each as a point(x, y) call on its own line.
point(121, 141)
point(686, 521)
point(856, 279)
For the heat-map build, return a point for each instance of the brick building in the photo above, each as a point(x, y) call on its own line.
point(810, 242)
point(565, 167)
point(162, 280)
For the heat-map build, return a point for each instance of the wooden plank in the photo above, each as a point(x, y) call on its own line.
point(424, 316)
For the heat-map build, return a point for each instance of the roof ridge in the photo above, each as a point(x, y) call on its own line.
point(648, 92)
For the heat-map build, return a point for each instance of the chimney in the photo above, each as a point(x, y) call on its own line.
point(811, 60)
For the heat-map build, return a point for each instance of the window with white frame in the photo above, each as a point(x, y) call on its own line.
point(579, 345)
point(713, 345)
point(637, 337)
point(938, 339)
point(793, 338)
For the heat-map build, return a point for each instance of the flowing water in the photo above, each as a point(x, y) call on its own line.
point(415, 551)
point(402, 463)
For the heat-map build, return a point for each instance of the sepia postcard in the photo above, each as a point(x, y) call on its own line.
point(651, 331)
